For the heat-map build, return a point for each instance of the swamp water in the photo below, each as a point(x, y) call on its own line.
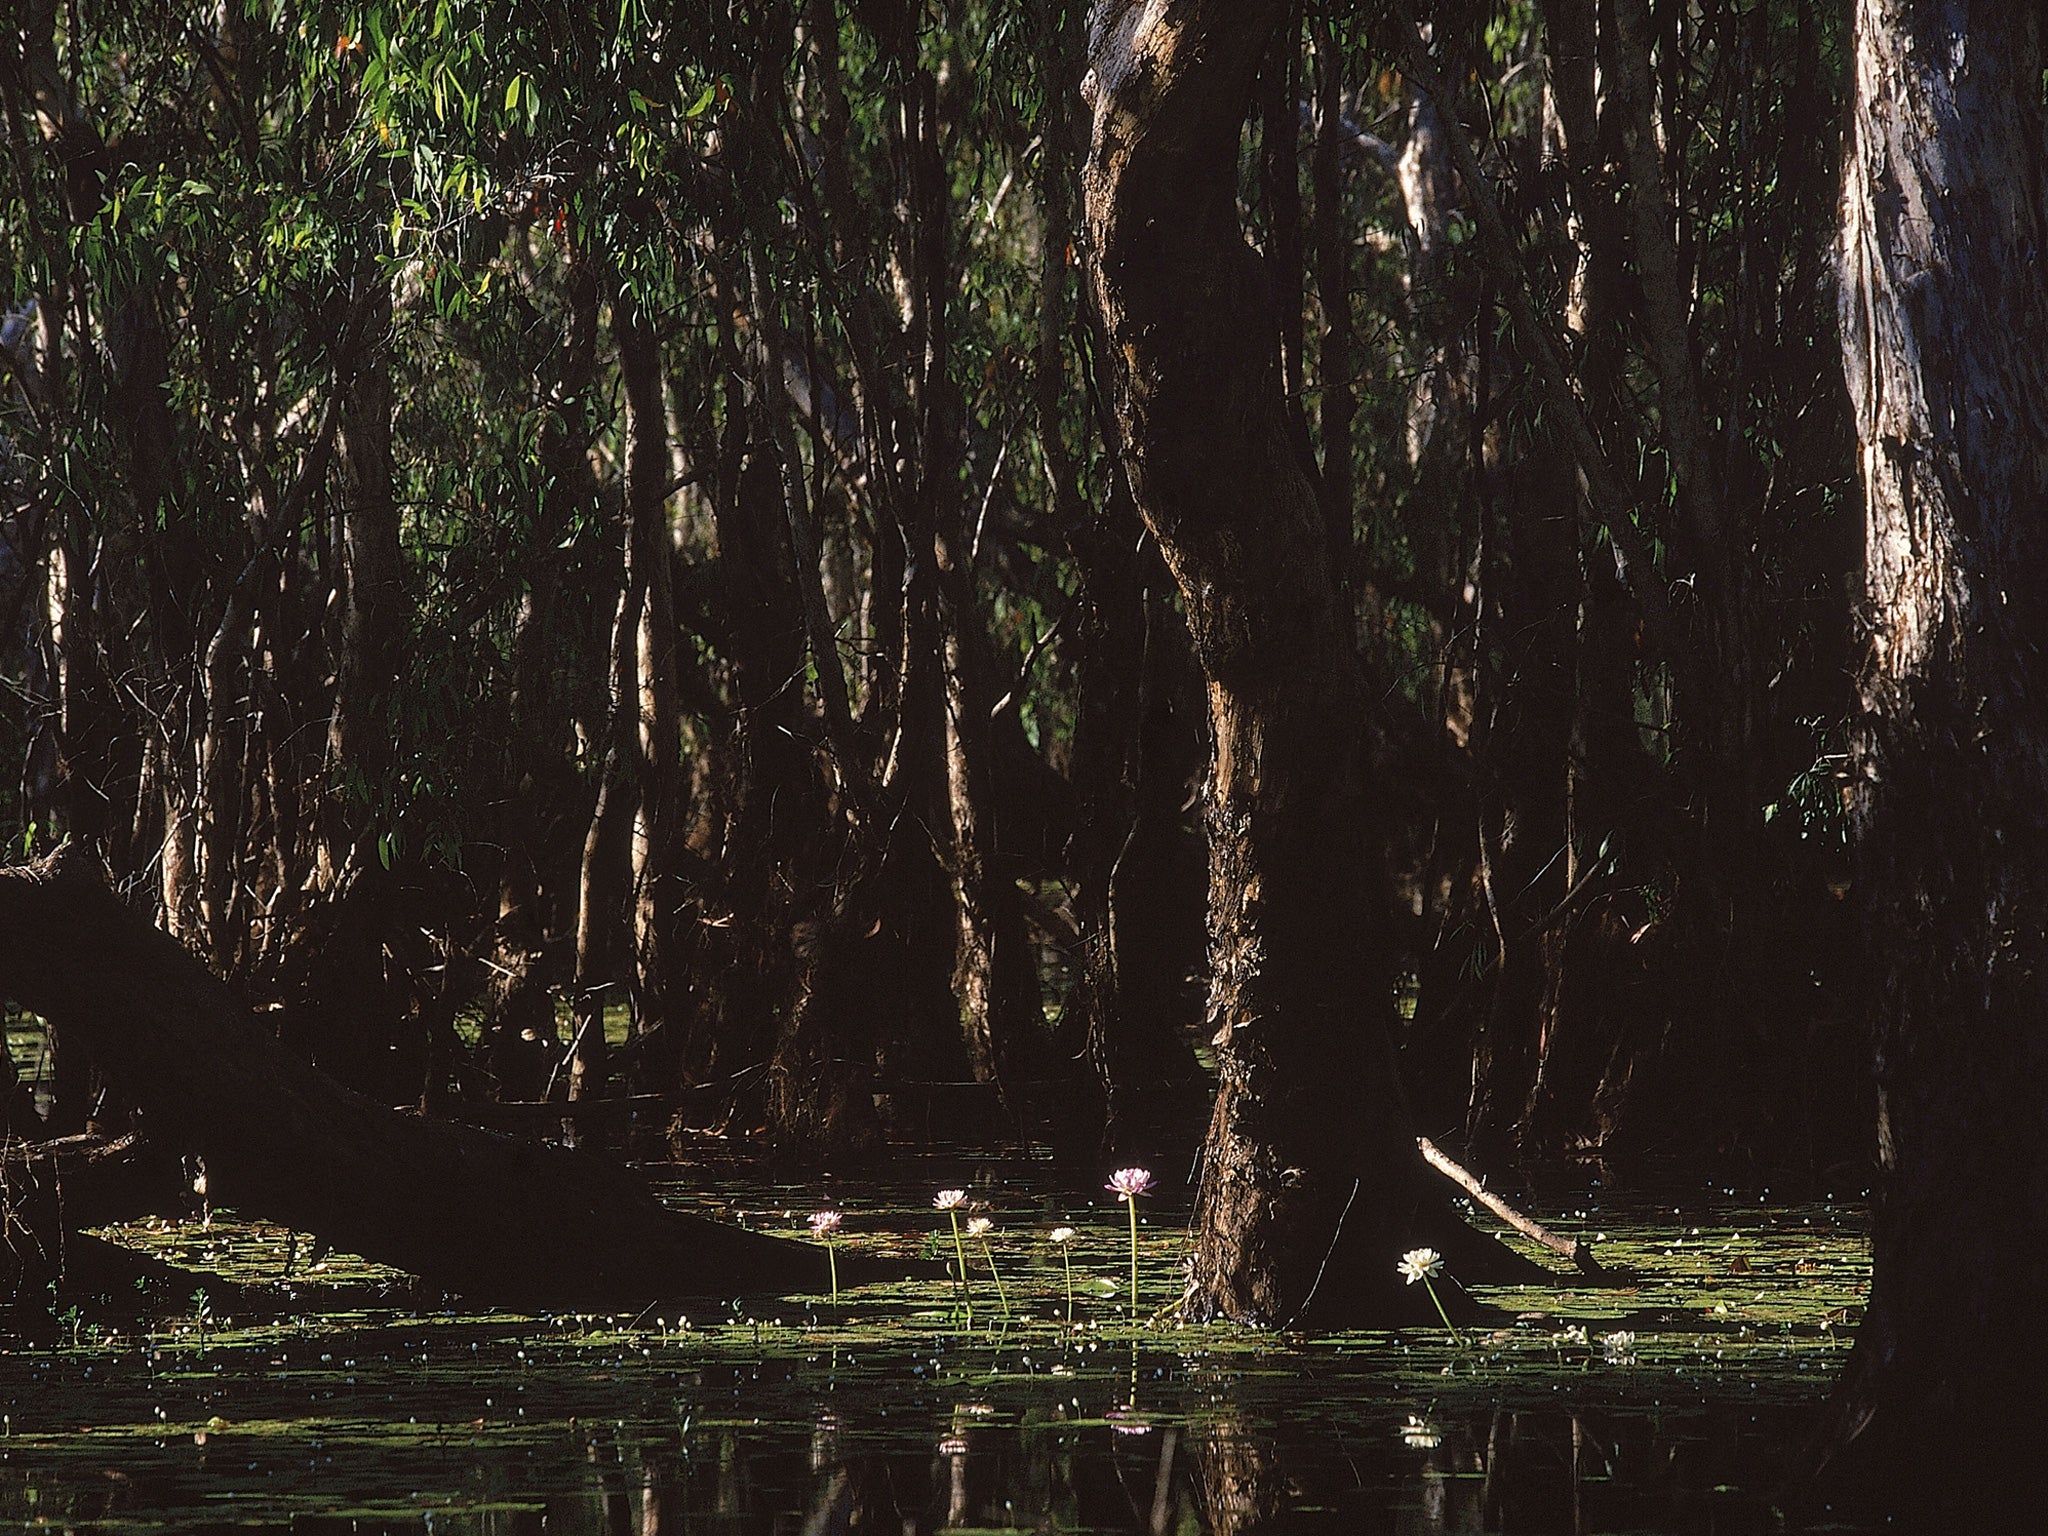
point(1672, 1405)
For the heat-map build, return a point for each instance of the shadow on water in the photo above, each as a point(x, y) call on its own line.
point(1672, 1407)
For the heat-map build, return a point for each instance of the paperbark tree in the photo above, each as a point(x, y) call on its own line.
point(1945, 337)
point(1311, 1183)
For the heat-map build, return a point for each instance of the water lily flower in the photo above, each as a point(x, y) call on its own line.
point(980, 1227)
point(823, 1225)
point(950, 1201)
point(1425, 1264)
point(1060, 1237)
point(1130, 1183)
point(1421, 1264)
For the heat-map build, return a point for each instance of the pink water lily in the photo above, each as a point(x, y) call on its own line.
point(1130, 1182)
point(823, 1225)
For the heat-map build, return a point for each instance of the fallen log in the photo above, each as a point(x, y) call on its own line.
point(492, 1217)
point(95, 1179)
point(1573, 1248)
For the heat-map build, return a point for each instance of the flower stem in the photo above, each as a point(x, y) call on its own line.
point(1068, 1260)
point(832, 1258)
point(1440, 1312)
point(1002, 1291)
point(1132, 1202)
point(960, 1253)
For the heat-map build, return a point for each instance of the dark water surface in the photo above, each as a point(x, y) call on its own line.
point(1671, 1406)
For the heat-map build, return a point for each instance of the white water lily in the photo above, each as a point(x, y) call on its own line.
point(950, 1201)
point(1421, 1264)
point(1425, 1264)
point(1061, 1236)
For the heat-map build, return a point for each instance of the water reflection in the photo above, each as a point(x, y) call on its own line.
point(1243, 1488)
point(630, 1445)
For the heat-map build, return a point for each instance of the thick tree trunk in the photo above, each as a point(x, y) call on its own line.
point(1945, 331)
point(1280, 209)
point(492, 1217)
point(1527, 699)
point(1311, 1183)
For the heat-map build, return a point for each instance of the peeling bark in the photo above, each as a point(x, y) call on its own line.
point(1944, 320)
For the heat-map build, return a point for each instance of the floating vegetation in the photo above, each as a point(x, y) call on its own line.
point(1684, 1389)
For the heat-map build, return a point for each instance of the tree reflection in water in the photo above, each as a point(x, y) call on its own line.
point(1217, 1445)
point(1243, 1488)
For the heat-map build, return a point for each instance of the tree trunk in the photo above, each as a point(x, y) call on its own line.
point(1333, 294)
point(1945, 336)
point(606, 871)
point(658, 821)
point(373, 622)
point(492, 1217)
point(1527, 696)
point(1311, 1183)
point(520, 1003)
point(1280, 209)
